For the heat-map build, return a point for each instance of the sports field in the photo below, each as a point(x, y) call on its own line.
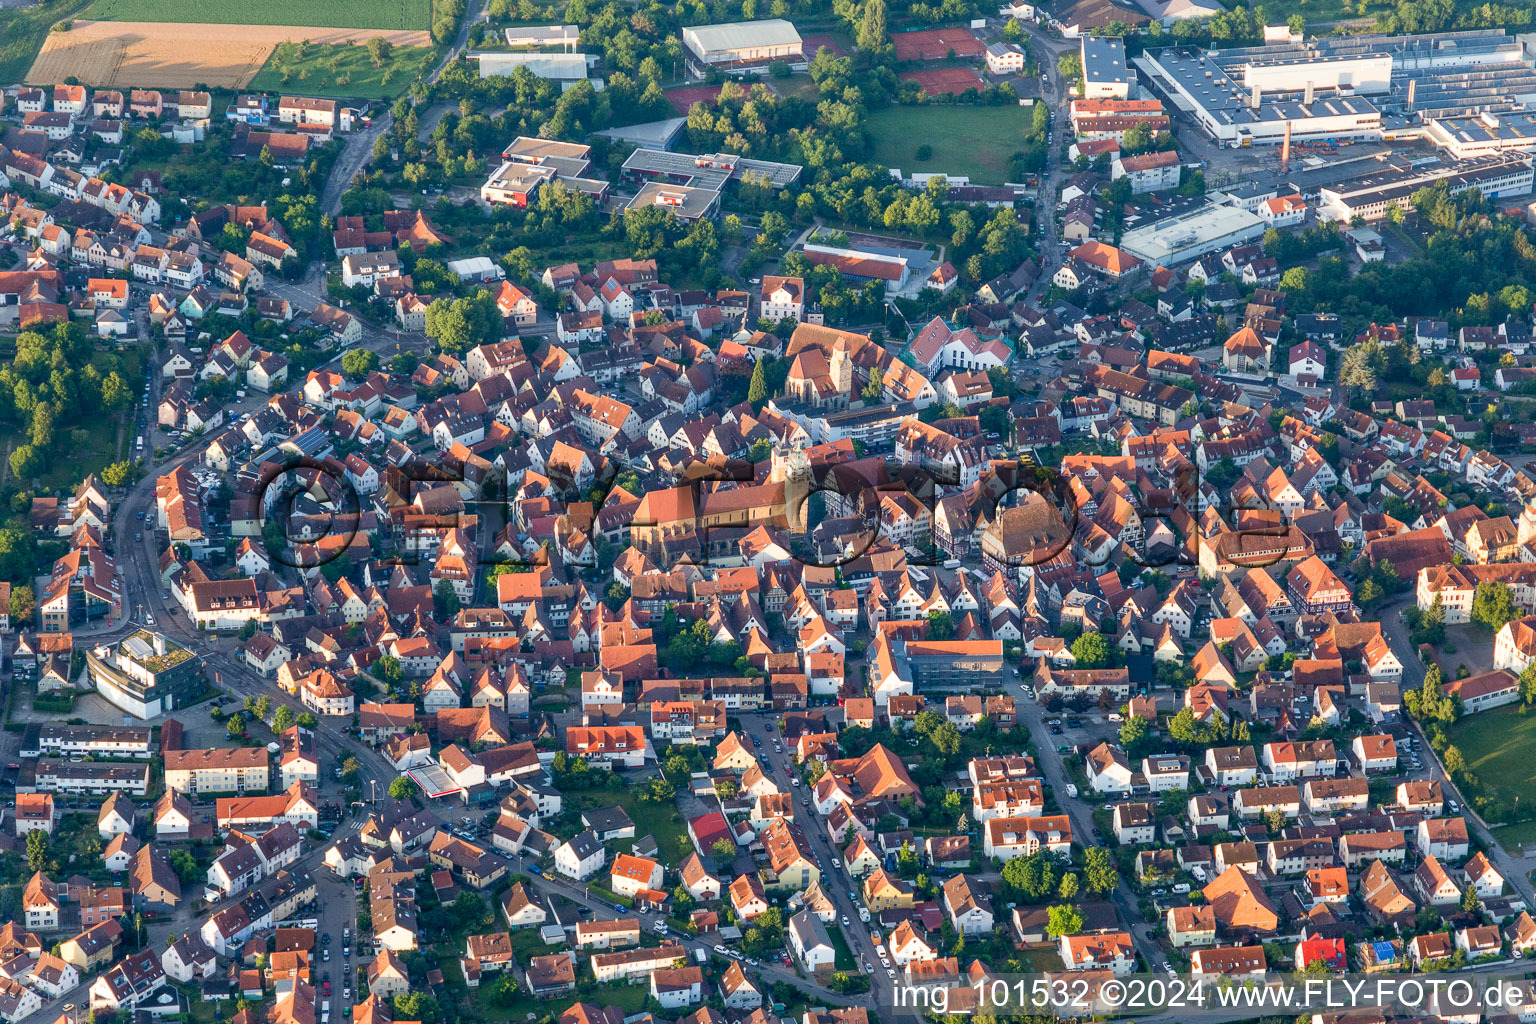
point(937, 81)
point(395, 14)
point(973, 141)
point(1497, 745)
point(935, 43)
point(688, 95)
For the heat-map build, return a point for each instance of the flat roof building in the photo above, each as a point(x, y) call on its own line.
point(145, 674)
point(536, 36)
point(1484, 134)
point(1370, 196)
point(565, 68)
point(1106, 74)
point(531, 162)
point(688, 203)
point(1342, 87)
point(705, 170)
point(1191, 235)
point(742, 46)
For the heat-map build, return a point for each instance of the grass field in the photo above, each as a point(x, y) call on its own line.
point(973, 141)
point(342, 71)
point(659, 820)
point(1497, 745)
point(22, 31)
point(325, 14)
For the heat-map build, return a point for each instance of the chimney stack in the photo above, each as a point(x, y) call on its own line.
point(1256, 97)
point(1307, 100)
point(1412, 86)
point(1285, 149)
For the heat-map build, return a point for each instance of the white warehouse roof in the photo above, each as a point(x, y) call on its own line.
point(742, 35)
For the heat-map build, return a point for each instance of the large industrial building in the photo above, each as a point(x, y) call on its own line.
point(565, 68)
point(1370, 196)
point(1342, 88)
point(1188, 236)
point(1483, 134)
point(743, 46)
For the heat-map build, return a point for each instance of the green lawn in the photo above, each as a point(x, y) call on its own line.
point(1516, 837)
point(660, 820)
point(396, 14)
point(1313, 10)
point(844, 960)
point(1497, 745)
point(22, 31)
point(341, 71)
point(973, 141)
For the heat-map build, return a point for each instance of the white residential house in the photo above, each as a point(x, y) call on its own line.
point(582, 857)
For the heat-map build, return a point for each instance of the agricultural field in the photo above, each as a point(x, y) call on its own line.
point(343, 71)
point(391, 14)
point(23, 31)
point(966, 140)
point(121, 54)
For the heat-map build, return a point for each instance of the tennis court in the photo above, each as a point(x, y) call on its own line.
point(817, 40)
point(936, 81)
point(935, 43)
point(682, 99)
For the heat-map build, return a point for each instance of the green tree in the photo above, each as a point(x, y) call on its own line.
point(757, 388)
point(22, 604)
point(1469, 899)
point(418, 1006)
point(1068, 887)
point(115, 393)
point(1091, 650)
point(1133, 732)
point(26, 462)
point(37, 849)
point(235, 726)
point(184, 864)
point(941, 625)
point(402, 788)
point(1063, 919)
point(119, 474)
point(1099, 871)
point(871, 34)
point(1455, 763)
point(282, 718)
point(378, 50)
point(389, 669)
point(359, 362)
point(1493, 605)
point(723, 850)
point(445, 600)
point(871, 392)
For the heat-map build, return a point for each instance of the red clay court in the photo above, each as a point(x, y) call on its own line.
point(936, 81)
point(811, 43)
point(682, 99)
point(935, 43)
